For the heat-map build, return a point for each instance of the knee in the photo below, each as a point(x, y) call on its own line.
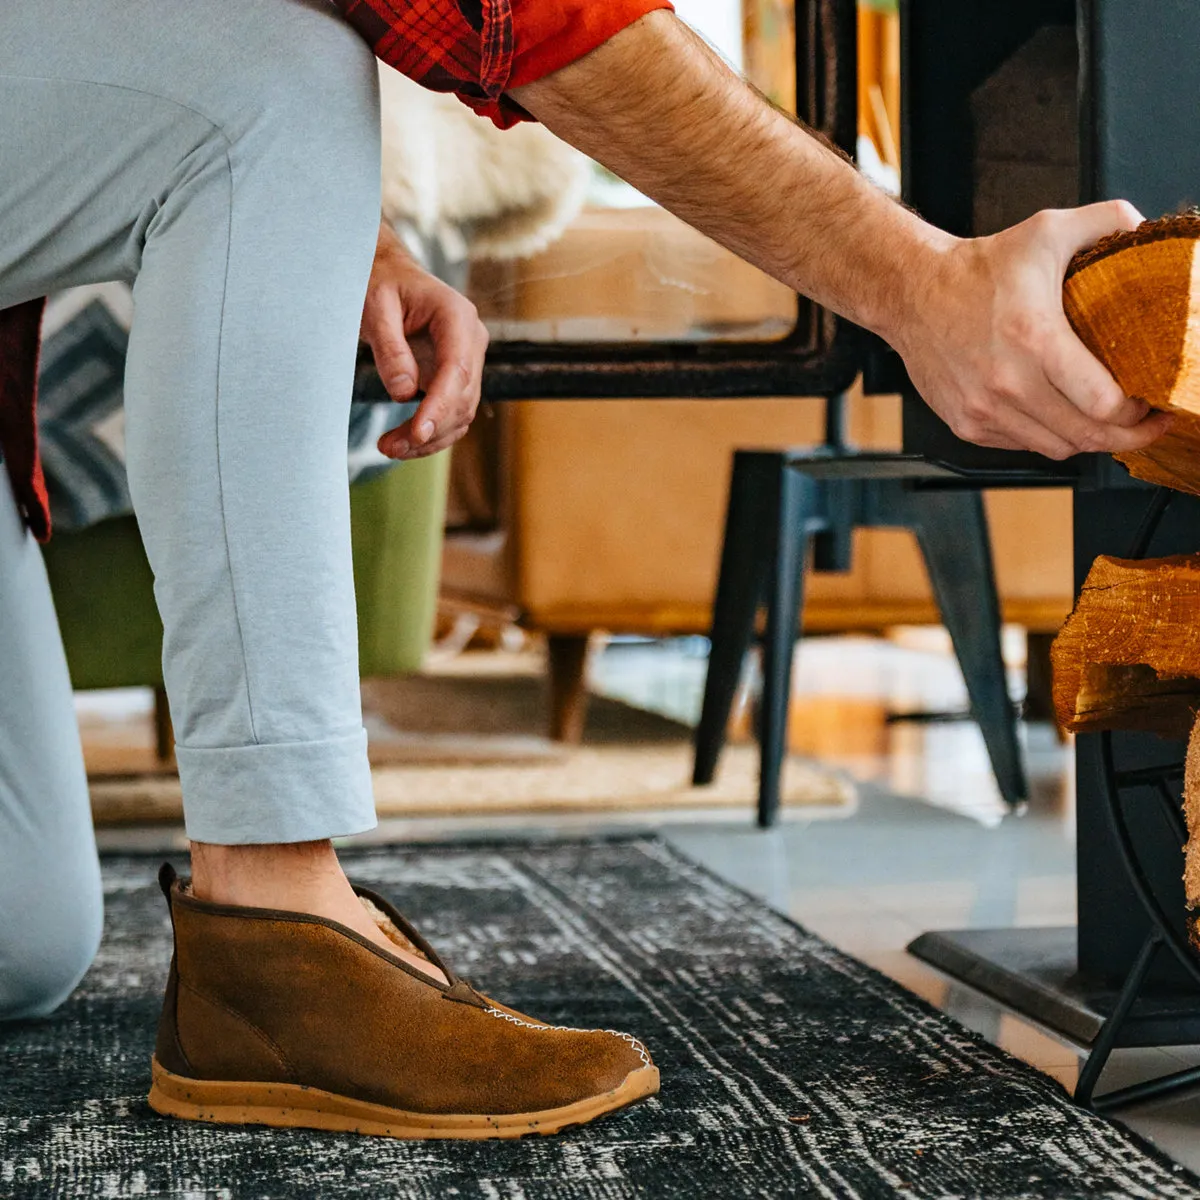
point(320, 108)
point(48, 946)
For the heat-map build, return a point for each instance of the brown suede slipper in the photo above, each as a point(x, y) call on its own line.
point(281, 1018)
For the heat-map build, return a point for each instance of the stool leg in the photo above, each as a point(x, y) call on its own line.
point(833, 547)
point(745, 559)
point(952, 530)
point(800, 509)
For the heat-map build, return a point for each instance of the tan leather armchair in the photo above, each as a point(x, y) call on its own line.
point(578, 516)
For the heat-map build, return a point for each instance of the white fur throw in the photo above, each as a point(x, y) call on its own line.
point(480, 191)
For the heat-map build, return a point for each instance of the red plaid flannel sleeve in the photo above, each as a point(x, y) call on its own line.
point(460, 46)
point(478, 48)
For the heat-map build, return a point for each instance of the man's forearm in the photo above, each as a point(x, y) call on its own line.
point(979, 322)
point(659, 108)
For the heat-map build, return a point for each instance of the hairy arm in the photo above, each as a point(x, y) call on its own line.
point(661, 110)
point(979, 322)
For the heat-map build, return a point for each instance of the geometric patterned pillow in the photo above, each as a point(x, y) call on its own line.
point(81, 425)
point(81, 415)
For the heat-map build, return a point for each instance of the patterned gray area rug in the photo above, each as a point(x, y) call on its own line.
point(788, 1068)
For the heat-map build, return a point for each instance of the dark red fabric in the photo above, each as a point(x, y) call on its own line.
point(460, 46)
point(478, 48)
point(20, 331)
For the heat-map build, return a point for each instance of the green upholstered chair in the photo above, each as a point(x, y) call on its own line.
point(104, 595)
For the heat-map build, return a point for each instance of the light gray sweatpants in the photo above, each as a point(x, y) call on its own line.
point(224, 158)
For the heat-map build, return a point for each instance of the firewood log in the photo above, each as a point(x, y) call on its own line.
point(1134, 301)
point(1191, 811)
point(1128, 657)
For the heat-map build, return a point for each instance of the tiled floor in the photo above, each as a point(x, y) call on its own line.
point(926, 847)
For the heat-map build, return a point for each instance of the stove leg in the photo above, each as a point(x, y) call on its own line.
point(1106, 1039)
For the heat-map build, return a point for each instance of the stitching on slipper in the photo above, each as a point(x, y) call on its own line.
point(643, 1054)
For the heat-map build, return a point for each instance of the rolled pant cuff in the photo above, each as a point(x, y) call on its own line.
point(284, 792)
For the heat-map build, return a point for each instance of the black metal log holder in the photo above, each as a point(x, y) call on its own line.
point(1163, 932)
point(1126, 975)
point(1102, 983)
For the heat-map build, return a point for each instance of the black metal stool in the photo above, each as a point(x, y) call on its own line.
point(779, 502)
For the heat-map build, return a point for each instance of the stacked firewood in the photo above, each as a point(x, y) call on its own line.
point(1129, 655)
point(1134, 300)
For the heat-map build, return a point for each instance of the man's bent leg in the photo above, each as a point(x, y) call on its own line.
point(226, 161)
point(241, 357)
point(49, 876)
point(248, 301)
point(235, 164)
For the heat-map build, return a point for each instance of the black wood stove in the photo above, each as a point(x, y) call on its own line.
point(1124, 976)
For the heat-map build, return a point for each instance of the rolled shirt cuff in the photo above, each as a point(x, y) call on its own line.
point(548, 37)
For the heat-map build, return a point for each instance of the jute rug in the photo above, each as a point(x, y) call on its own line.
point(453, 745)
point(789, 1070)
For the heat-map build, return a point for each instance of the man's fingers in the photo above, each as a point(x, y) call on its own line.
point(1075, 229)
point(1082, 433)
point(393, 357)
point(1053, 413)
point(1122, 441)
point(447, 395)
point(450, 353)
point(1024, 432)
point(993, 440)
point(452, 395)
point(442, 442)
point(397, 443)
point(1043, 420)
point(999, 425)
point(1082, 379)
point(1031, 414)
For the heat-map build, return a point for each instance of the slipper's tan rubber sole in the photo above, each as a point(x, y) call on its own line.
point(292, 1105)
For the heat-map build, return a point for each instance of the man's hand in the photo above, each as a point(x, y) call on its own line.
point(425, 337)
point(989, 348)
point(979, 322)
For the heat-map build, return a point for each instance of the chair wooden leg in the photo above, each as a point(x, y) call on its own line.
point(164, 732)
point(1039, 680)
point(568, 656)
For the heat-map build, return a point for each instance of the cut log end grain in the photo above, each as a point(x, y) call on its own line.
point(1134, 301)
point(1191, 811)
point(1128, 657)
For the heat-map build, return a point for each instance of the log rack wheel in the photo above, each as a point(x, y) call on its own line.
point(1162, 934)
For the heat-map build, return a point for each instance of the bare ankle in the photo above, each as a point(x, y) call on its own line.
point(301, 877)
point(264, 875)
